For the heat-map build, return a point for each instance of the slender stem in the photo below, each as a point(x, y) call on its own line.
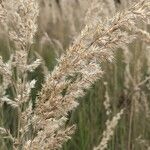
point(130, 125)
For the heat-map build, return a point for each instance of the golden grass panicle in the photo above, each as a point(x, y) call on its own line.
point(79, 67)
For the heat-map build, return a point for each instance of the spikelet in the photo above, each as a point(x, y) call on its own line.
point(106, 103)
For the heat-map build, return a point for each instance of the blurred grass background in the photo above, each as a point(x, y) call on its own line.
point(55, 34)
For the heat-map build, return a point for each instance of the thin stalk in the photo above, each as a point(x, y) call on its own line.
point(130, 126)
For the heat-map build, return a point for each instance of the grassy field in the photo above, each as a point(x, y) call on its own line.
point(124, 85)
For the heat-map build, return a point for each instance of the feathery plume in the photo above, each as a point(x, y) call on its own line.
point(109, 132)
point(79, 68)
point(20, 19)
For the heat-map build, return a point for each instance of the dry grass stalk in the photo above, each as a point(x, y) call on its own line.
point(109, 132)
point(79, 68)
point(19, 20)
